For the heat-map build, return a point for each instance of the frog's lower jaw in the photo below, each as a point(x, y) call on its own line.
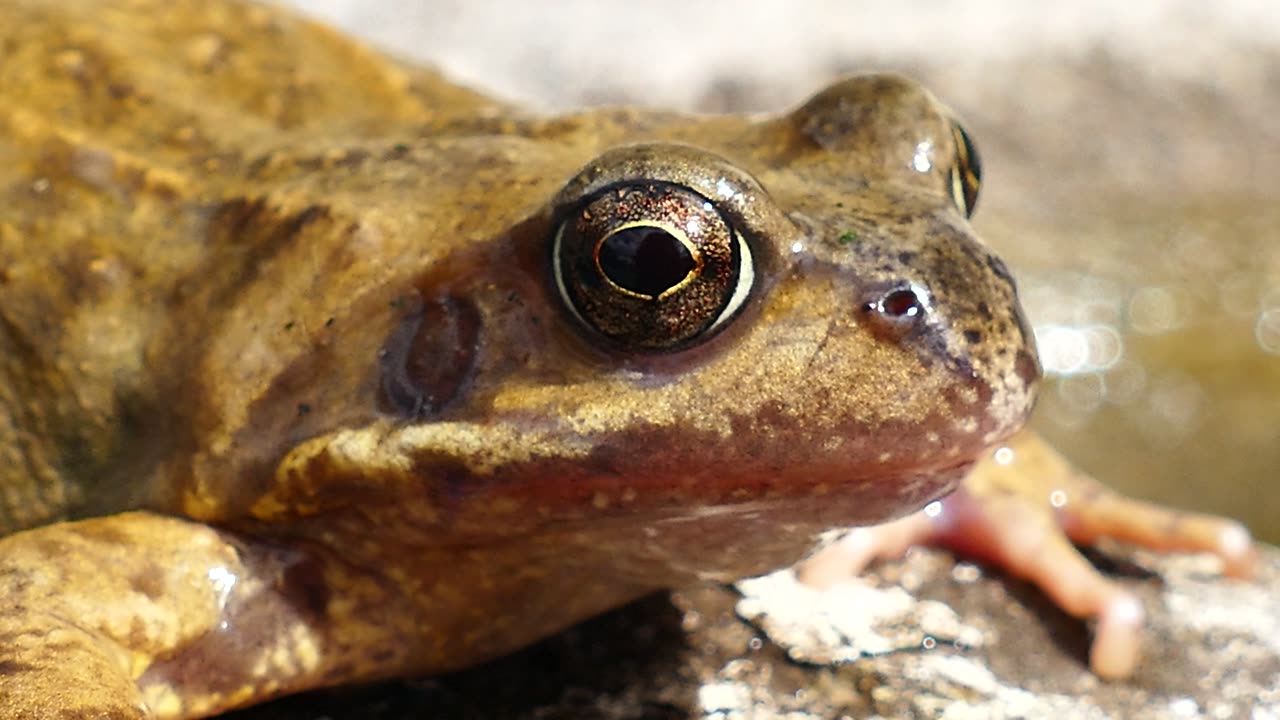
point(461, 483)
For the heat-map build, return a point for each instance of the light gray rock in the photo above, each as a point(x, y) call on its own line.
point(984, 647)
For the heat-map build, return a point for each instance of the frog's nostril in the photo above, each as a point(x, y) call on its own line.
point(900, 304)
point(895, 312)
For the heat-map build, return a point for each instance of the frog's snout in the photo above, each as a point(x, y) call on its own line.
point(983, 327)
point(945, 298)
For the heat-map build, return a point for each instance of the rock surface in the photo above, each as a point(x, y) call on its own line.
point(927, 637)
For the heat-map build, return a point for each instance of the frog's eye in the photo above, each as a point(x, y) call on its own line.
point(650, 265)
point(966, 174)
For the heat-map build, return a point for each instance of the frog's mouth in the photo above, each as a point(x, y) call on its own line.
point(485, 474)
point(708, 520)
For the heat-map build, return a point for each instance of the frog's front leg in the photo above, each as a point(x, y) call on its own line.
point(138, 616)
point(1021, 509)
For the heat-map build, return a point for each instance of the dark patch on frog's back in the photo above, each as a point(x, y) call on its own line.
point(148, 582)
point(241, 222)
point(104, 91)
point(14, 667)
point(17, 580)
point(261, 167)
point(243, 235)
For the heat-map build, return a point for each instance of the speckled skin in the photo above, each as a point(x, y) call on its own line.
point(223, 228)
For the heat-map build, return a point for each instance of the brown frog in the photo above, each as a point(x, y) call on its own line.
point(317, 369)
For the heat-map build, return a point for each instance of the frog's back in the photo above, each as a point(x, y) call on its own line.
point(168, 80)
point(126, 130)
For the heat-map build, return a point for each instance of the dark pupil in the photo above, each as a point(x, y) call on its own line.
point(900, 303)
point(645, 260)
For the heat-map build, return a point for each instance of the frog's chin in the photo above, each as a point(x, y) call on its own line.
point(731, 540)
point(775, 517)
point(871, 502)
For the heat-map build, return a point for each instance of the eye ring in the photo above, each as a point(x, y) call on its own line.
point(650, 266)
point(966, 172)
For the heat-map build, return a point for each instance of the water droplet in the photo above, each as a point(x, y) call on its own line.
point(922, 162)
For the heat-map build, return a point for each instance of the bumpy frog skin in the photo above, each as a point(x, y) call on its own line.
point(317, 369)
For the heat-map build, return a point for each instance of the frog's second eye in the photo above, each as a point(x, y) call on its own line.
point(652, 266)
point(966, 174)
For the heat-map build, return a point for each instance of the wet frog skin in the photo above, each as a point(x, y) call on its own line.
point(316, 369)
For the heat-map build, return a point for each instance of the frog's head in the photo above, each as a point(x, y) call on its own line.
point(710, 313)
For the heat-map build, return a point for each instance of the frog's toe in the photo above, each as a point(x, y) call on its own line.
point(855, 549)
point(1025, 541)
point(1021, 510)
point(1038, 479)
point(1100, 513)
point(1002, 532)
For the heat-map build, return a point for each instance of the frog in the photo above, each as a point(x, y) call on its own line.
point(319, 369)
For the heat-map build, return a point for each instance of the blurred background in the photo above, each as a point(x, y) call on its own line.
point(1132, 179)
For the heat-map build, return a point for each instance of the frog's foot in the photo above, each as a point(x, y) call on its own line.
point(1021, 509)
point(143, 616)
